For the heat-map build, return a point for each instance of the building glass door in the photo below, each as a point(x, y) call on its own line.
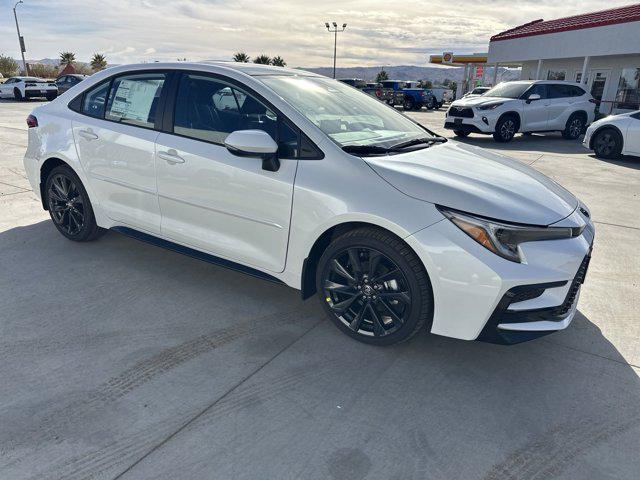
point(598, 80)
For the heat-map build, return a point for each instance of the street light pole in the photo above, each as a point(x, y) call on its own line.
point(20, 40)
point(335, 31)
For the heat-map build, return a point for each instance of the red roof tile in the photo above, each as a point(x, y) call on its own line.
point(630, 13)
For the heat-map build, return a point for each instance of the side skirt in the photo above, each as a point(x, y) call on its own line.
point(190, 252)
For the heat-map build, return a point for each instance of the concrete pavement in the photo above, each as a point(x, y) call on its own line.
point(122, 360)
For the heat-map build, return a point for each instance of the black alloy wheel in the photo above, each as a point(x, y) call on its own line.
point(69, 206)
point(505, 129)
point(607, 144)
point(374, 287)
point(17, 94)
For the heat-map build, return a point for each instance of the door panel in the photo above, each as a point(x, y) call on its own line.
point(212, 199)
point(225, 204)
point(118, 154)
point(560, 105)
point(535, 113)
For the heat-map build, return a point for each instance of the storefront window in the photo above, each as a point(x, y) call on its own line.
point(628, 96)
point(556, 74)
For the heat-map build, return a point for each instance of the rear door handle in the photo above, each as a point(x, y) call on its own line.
point(88, 134)
point(171, 156)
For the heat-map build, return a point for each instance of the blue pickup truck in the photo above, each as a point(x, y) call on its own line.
point(398, 92)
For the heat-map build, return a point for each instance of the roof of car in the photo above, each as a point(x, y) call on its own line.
point(253, 69)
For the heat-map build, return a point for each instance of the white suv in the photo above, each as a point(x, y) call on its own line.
point(523, 106)
point(301, 179)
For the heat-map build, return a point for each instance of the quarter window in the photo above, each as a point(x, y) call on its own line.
point(133, 99)
point(94, 100)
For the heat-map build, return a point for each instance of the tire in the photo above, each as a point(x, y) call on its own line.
point(438, 105)
point(69, 206)
point(417, 107)
point(408, 103)
point(506, 128)
point(607, 143)
point(461, 133)
point(430, 104)
point(52, 96)
point(380, 304)
point(17, 94)
point(574, 127)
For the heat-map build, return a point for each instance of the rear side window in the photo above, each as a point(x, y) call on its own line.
point(133, 99)
point(565, 91)
point(94, 100)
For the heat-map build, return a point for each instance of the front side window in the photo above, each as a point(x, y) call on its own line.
point(133, 99)
point(208, 109)
point(537, 89)
point(94, 100)
point(347, 116)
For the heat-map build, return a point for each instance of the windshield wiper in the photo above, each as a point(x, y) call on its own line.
point(417, 141)
point(365, 149)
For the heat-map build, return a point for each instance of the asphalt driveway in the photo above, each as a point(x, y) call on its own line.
point(122, 360)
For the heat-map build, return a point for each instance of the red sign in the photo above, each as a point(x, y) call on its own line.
point(479, 71)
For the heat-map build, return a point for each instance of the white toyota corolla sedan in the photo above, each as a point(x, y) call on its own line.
point(300, 179)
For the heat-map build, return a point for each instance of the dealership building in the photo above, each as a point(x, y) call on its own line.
point(600, 50)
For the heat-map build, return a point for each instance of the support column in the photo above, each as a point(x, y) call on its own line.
point(461, 90)
point(585, 67)
point(495, 74)
point(539, 69)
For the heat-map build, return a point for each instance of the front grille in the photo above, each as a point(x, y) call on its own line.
point(461, 112)
point(575, 287)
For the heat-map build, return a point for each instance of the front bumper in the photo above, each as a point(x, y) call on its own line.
point(481, 296)
point(478, 124)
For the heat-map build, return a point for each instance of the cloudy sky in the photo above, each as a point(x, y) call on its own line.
point(379, 32)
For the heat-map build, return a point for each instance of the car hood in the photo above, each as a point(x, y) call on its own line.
point(478, 100)
point(473, 180)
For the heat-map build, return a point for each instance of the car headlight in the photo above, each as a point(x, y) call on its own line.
point(504, 238)
point(490, 106)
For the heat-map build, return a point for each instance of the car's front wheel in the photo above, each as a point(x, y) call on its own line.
point(506, 128)
point(17, 94)
point(374, 287)
point(69, 206)
point(607, 143)
point(408, 104)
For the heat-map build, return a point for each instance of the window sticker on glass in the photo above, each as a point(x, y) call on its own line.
point(133, 99)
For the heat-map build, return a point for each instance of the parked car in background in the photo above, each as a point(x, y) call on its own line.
point(373, 89)
point(399, 92)
point(525, 106)
point(435, 235)
point(615, 135)
point(441, 95)
point(23, 88)
point(65, 82)
point(354, 82)
point(476, 92)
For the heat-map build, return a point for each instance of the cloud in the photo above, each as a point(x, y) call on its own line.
point(377, 34)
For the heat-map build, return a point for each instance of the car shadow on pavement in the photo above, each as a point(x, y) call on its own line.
point(109, 348)
point(547, 143)
point(626, 161)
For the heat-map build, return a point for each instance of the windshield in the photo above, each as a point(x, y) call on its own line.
point(347, 116)
point(508, 90)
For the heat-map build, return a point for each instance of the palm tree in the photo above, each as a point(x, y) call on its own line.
point(241, 57)
point(67, 58)
point(262, 59)
point(278, 61)
point(98, 62)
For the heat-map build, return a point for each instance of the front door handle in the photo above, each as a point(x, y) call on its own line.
point(171, 156)
point(87, 134)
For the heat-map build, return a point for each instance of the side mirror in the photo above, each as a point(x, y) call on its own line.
point(254, 143)
point(532, 97)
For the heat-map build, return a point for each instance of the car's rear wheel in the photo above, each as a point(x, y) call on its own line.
point(374, 287)
point(574, 127)
point(430, 104)
point(607, 143)
point(17, 94)
point(69, 206)
point(461, 133)
point(506, 128)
